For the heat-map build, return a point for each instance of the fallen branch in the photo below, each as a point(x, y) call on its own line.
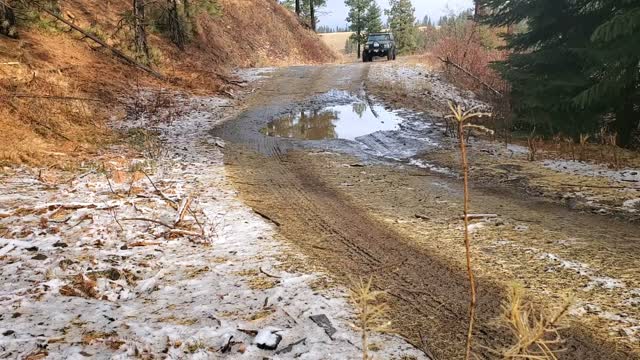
point(162, 195)
point(185, 232)
point(269, 275)
point(266, 217)
point(182, 210)
point(115, 51)
point(480, 216)
point(150, 220)
point(491, 88)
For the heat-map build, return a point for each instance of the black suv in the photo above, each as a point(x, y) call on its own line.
point(379, 44)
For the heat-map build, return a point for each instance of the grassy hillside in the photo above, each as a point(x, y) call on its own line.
point(58, 88)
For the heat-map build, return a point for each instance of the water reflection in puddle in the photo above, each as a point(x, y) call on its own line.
point(334, 122)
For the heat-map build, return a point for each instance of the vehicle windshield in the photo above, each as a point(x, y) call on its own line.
point(379, 37)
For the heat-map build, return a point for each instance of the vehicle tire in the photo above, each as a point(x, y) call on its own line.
point(389, 56)
point(394, 54)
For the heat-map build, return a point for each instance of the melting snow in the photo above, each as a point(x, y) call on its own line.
point(85, 273)
point(593, 170)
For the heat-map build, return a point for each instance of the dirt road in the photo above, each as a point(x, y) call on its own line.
point(356, 214)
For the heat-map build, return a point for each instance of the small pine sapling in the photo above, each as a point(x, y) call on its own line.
point(462, 119)
point(370, 312)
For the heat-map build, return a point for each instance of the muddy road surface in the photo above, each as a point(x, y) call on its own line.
point(333, 168)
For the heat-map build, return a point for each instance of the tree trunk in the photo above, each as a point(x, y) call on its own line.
point(176, 27)
point(626, 123)
point(140, 34)
point(7, 20)
point(312, 12)
point(298, 7)
point(186, 6)
point(359, 49)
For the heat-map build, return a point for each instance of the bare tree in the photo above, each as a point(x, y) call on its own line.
point(140, 33)
point(298, 7)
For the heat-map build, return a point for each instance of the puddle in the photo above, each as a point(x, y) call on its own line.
point(334, 122)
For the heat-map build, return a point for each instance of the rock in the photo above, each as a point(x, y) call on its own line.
point(521, 228)
point(289, 348)
point(32, 248)
point(268, 339)
point(323, 321)
point(8, 333)
point(60, 244)
point(40, 257)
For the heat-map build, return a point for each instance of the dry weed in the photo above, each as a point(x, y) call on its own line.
point(462, 118)
point(535, 333)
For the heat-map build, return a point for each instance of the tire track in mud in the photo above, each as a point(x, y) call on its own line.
point(428, 296)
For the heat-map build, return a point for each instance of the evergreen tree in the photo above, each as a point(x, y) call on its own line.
point(358, 19)
point(402, 22)
point(307, 11)
point(426, 21)
point(615, 76)
point(576, 62)
point(374, 18)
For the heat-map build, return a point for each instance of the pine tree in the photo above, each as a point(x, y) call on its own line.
point(306, 9)
point(402, 22)
point(358, 20)
point(576, 62)
point(426, 21)
point(374, 18)
point(615, 77)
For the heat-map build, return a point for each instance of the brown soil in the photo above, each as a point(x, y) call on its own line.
point(402, 228)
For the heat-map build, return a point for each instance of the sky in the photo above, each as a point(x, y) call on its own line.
point(335, 13)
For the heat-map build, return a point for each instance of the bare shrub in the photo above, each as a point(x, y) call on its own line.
point(533, 143)
point(467, 45)
point(154, 107)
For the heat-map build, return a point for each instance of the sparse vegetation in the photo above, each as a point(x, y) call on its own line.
point(370, 312)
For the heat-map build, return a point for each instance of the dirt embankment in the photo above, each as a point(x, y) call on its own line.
point(58, 89)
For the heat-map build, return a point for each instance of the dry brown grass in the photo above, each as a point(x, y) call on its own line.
point(535, 332)
point(254, 33)
point(336, 42)
point(45, 117)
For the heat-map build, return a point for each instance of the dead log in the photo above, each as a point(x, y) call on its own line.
point(482, 82)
